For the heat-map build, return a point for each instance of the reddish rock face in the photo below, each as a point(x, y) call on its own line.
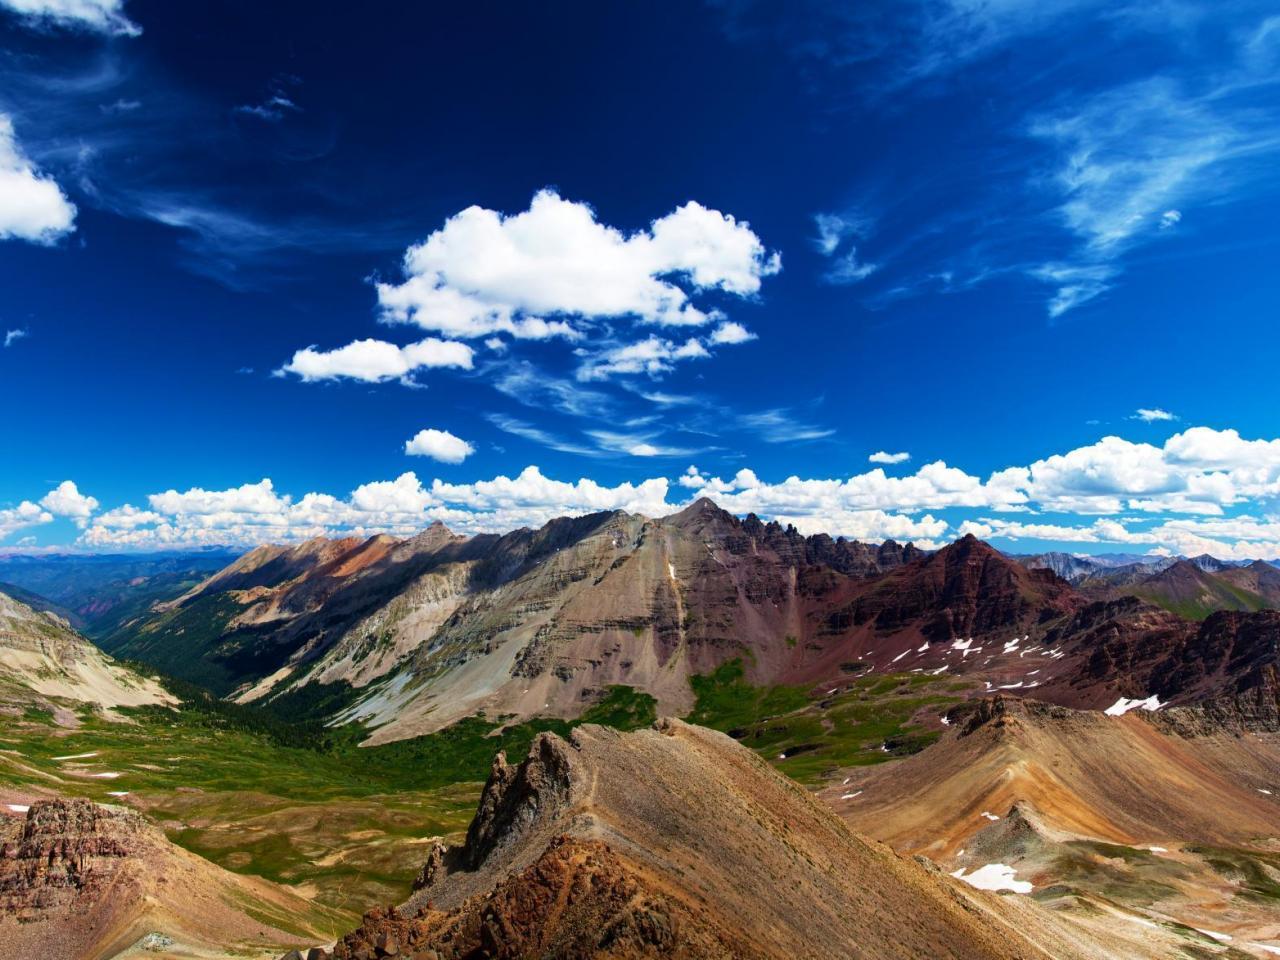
point(964, 590)
point(67, 850)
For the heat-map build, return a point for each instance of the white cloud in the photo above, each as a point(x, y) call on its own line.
point(32, 206)
point(439, 445)
point(484, 273)
point(1173, 497)
point(1128, 160)
point(1076, 283)
point(103, 16)
point(635, 444)
point(528, 431)
point(779, 426)
point(13, 336)
point(26, 514)
point(375, 361)
point(653, 356)
point(272, 110)
point(881, 456)
point(66, 500)
point(731, 333)
point(1152, 414)
point(833, 230)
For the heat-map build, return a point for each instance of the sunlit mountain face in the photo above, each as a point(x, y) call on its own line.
point(602, 480)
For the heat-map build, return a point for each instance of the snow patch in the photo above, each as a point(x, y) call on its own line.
point(850, 796)
point(994, 876)
point(18, 807)
point(108, 775)
point(900, 656)
point(989, 815)
point(78, 756)
point(1221, 937)
point(1124, 705)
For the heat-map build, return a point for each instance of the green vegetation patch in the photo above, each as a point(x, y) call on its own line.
point(867, 720)
point(292, 801)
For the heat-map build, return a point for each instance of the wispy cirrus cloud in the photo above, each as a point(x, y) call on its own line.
point(1129, 161)
point(102, 16)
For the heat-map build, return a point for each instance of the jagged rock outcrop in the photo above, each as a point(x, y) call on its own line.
point(968, 589)
point(68, 851)
point(81, 880)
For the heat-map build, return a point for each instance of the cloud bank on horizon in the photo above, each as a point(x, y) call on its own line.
point(1199, 492)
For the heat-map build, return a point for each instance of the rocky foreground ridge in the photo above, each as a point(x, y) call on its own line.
point(676, 841)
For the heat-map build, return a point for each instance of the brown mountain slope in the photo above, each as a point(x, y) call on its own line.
point(413, 635)
point(80, 881)
point(650, 603)
point(1259, 578)
point(1126, 779)
point(1167, 816)
point(968, 589)
point(677, 842)
point(41, 656)
point(1192, 592)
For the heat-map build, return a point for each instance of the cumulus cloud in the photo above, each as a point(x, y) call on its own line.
point(13, 336)
point(438, 445)
point(32, 206)
point(731, 333)
point(484, 273)
point(376, 361)
point(1152, 414)
point(101, 16)
point(66, 500)
point(1202, 491)
point(26, 514)
point(257, 513)
point(881, 456)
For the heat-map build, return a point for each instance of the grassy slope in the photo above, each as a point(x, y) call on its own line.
point(281, 796)
point(1219, 595)
point(240, 788)
point(865, 720)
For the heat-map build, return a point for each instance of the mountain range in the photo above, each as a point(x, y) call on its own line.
point(885, 752)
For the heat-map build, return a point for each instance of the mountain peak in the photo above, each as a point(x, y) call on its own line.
point(700, 514)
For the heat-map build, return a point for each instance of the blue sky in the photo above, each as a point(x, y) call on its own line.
point(886, 269)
